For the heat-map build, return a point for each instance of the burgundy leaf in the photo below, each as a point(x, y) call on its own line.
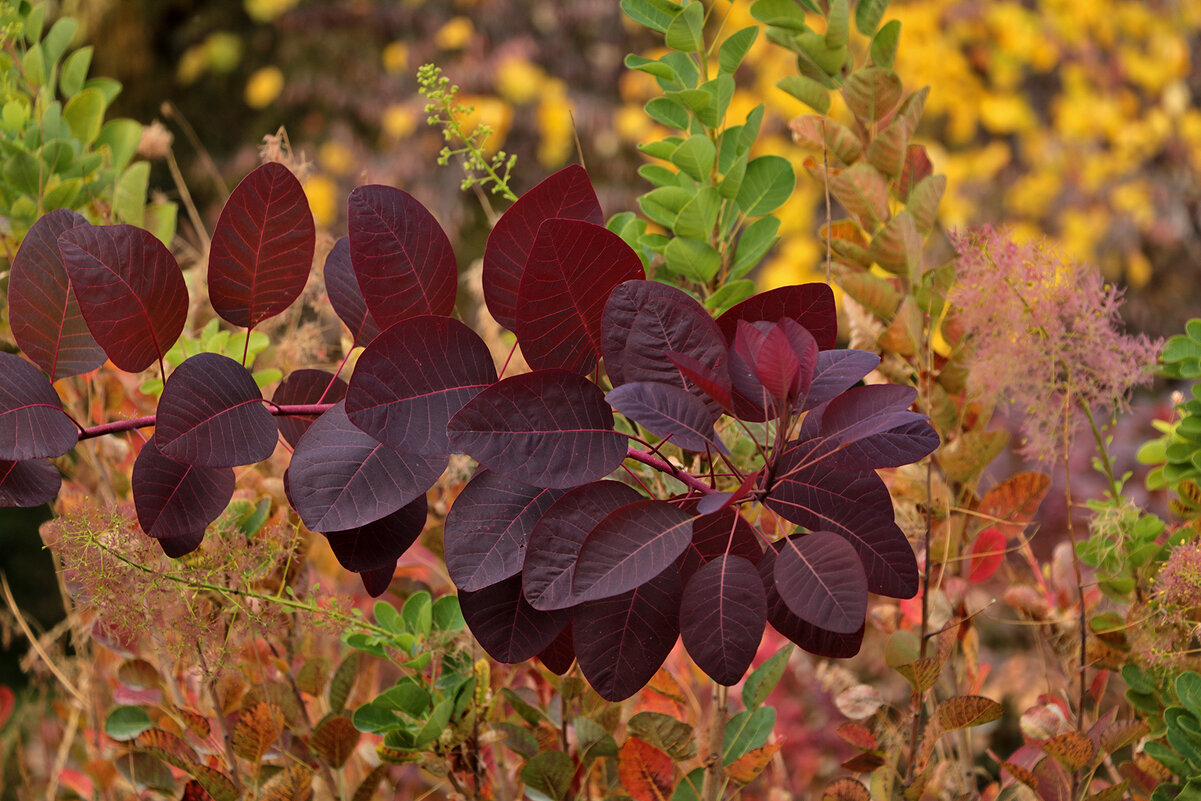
point(174, 499)
point(130, 291)
point(302, 388)
point(42, 310)
point(32, 421)
point(722, 614)
point(342, 286)
point(404, 263)
point(715, 501)
point(813, 639)
point(709, 381)
point(378, 544)
point(821, 578)
point(262, 248)
point(857, 507)
point(718, 534)
point(505, 624)
point(560, 654)
point(342, 478)
point(645, 319)
point(28, 483)
point(622, 641)
point(811, 305)
point(377, 581)
point(836, 372)
point(871, 427)
point(212, 415)
point(489, 526)
point(567, 194)
point(549, 428)
point(572, 268)
point(629, 547)
point(786, 361)
point(554, 544)
point(667, 410)
point(184, 544)
point(752, 401)
point(413, 378)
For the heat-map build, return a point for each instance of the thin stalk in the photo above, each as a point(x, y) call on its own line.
point(714, 772)
point(663, 466)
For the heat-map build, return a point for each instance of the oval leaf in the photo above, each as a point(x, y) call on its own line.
point(413, 378)
point(303, 388)
point(378, 544)
point(342, 286)
point(722, 614)
point(629, 547)
point(718, 534)
point(505, 624)
point(341, 478)
point(403, 261)
point(968, 710)
point(986, 555)
point(174, 499)
point(130, 291)
point(212, 415)
point(26, 484)
point(262, 248)
point(572, 268)
point(811, 305)
point(567, 194)
point(645, 772)
point(549, 428)
point(32, 421)
point(668, 412)
point(42, 310)
point(811, 638)
point(820, 577)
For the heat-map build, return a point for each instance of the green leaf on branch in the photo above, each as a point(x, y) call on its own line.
point(863, 192)
point(731, 293)
point(838, 24)
point(668, 111)
point(768, 184)
point(720, 91)
point(686, 32)
point(695, 156)
point(549, 773)
point(764, 678)
point(872, 92)
point(806, 90)
point(84, 113)
point(754, 243)
point(734, 49)
point(884, 44)
point(654, 14)
point(75, 71)
point(746, 731)
point(127, 722)
point(868, 14)
point(693, 258)
point(651, 66)
point(783, 13)
point(698, 216)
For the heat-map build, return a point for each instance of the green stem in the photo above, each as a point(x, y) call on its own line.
point(1106, 464)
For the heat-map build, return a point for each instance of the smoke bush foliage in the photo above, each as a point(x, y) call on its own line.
point(1046, 335)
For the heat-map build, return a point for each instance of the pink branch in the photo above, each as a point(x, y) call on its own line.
point(689, 480)
point(117, 426)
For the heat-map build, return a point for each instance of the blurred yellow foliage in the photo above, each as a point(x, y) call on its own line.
point(490, 111)
point(396, 57)
point(324, 196)
point(267, 10)
point(264, 87)
point(554, 125)
point(398, 121)
point(335, 157)
point(455, 34)
point(520, 81)
point(220, 52)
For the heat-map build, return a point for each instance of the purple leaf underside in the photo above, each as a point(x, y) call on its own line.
point(32, 421)
point(811, 638)
point(378, 544)
point(302, 388)
point(377, 581)
point(342, 286)
point(811, 305)
point(717, 534)
point(176, 500)
point(629, 547)
point(722, 615)
point(560, 654)
point(27, 484)
point(181, 546)
point(668, 412)
point(821, 579)
point(505, 624)
point(836, 372)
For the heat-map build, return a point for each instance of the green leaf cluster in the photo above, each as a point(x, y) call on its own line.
point(1177, 453)
point(215, 339)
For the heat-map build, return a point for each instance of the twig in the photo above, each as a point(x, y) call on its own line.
point(35, 644)
point(714, 773)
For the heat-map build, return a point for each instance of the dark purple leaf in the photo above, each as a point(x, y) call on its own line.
point(809, 637)
point(29, 483)
point(378, 544)
point(554, 544)
point(549, 428)
point(572, 268)
point(821, 578)
point(667, 410)
point(413, 378)
point(130, 291)
point(174, 499)
point(302, 388)
point(489, 526)
point(786, 361)
point(342, 286)
point(857, 507)
point(567, 194)
point(836, 372)
point(629, 547)
point(505, 624)
point(342, 478)
point(212, 415)
point(811, 305)
point(42, 310)
point(560, 654)
point(377, 581)
point(403, 261)
point(709, 381)
point(643, 320)
point(622, 641)
point(184, 544)
point(262, 248)
point(722, 615)
point(871, 427)
point(717, 534)
point(32, 421)
point(751, 400)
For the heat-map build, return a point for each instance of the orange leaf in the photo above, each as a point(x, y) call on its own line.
point(256, 731)
point(167, 746)
point(335, 739)
point(921, 673)
point(858, 736)
point(864, 762)
point(8, 702)
point(647, 773)
point(747, 767)
point(1011, 505)
point(968, 710)
point(196, 722)
point(1021, 774)
point(845, 790)
point(1073, 749)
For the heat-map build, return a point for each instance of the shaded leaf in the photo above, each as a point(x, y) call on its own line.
point(872, 92)
point(921, 673)
point(550, 773)
point(1011, 505)
point(256, 731)
point(505, 624)
point(815, 132)
point(559, 656)
point(301, 388)
point(763, 679)
point(33, 424)
point(173, 499)
point(292, 783)
point(645, 772)
point(335, 739)
point(1073, 749)
point(342, 682)
point(378, 544)
point(674, 737)
point(629, 547)
point(863, 192)
point(845, 790)
point(342, 286)
point(126, 722)
point(811, 638)
point(811, 305)
point(668, 412)
point(722, 615)
point(821, 579)
point(717, 534)
point(836, 372)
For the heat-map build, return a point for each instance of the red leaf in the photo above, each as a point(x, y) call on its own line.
point(8, 702)
point(567, 194)
point(628, 548)
point(986, 555)
point(560, 654)
point(378, 544)
point(813, 639)
point(301, 388)
point(43, 313)
point(821, 579)
point(811, 305)
point(645, 772)
point(130, 290)
point(33, 424)
point(342, 286)
point(722, 615)
point(858, 736)
point(262, 248)
point(173, 499)
point(668, 411)
point(717, 534)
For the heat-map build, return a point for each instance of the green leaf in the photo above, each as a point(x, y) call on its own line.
point(661, 149)
point(695, 156)
point(698, 216)
point(127, 722)
point(695, 100)
point(129, 201)
point(108, 87)
point(663, 205)
point(57, 40)
point(693, 258)
point(806, 90)
point(838, 24)
point(872, 92)
point(750, 130)
point(730, 294)
point(75, 71)
point(686, 32)
point(405, 696)
point(549, 773)
point(385, 615)
point(592, 739)
point(671, 736)
point(33, 65)
point(923, 202)
point(764, 678)
point(754, 243)
point(654, 14)
point(721, 92)
point(868, 14)
point(447, 615)
point(689, 788)
point(438, 720)
point(62, 195)
point(734, 49)
point(34, 21)
point(668, 111)
point(84, 113)
point(731, 183)
point(768, 184)
point(658, 175)
point(24, 172)
point(1188, 690)
point(782, 13)
point(685, 66)
point(416, 613)
point(884, 44)
point(651, 66)
point(746, 731)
